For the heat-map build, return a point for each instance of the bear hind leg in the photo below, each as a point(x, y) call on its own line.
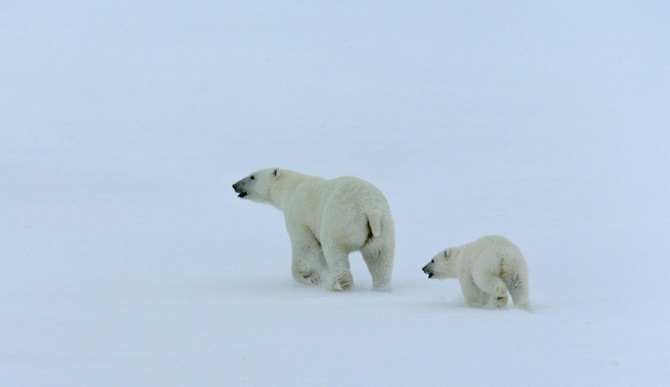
point(379, 261)
point(518, 288)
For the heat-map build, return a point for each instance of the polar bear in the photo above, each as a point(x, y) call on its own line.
point(486, 269)
point(326, 220)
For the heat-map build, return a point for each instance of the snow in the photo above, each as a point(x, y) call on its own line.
point(127, 259)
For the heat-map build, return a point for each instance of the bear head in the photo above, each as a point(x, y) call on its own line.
point(257, 186)
point(442, 264)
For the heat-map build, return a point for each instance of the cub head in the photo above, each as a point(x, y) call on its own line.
point(256, 187)
point(442, 264)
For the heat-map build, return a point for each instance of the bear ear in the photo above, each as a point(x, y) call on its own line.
point(447, 253)
point(276, 172)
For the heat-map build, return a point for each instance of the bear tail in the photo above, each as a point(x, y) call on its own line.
point(375, 223)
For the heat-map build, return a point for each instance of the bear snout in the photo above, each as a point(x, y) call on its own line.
point(427, 270)
point(237, 187)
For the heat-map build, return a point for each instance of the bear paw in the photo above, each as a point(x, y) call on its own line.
point(312, 277)
point(342, 281)
point(304, 274)
point(500, 300)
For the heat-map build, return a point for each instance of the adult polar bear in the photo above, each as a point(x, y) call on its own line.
point(326, 220)
point(486, 269)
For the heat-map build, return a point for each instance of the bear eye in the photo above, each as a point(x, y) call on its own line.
point(432, 261)
point(252, 177)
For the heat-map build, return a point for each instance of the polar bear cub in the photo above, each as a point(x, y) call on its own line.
point(487, 269)
point(326, 220)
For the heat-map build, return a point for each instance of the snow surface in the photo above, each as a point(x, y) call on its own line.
point(127, 260)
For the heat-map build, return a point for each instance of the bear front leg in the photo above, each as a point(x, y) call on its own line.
point(307, 260)
point(494, 286)
point(474, 297)
point(338, 262)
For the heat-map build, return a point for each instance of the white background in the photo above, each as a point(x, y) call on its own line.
point(126, 259)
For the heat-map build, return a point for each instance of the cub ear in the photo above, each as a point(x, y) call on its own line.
point(276, 172)
point(447, 253)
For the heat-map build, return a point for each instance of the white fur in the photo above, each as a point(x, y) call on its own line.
point(326, 220)
point(486, 268)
